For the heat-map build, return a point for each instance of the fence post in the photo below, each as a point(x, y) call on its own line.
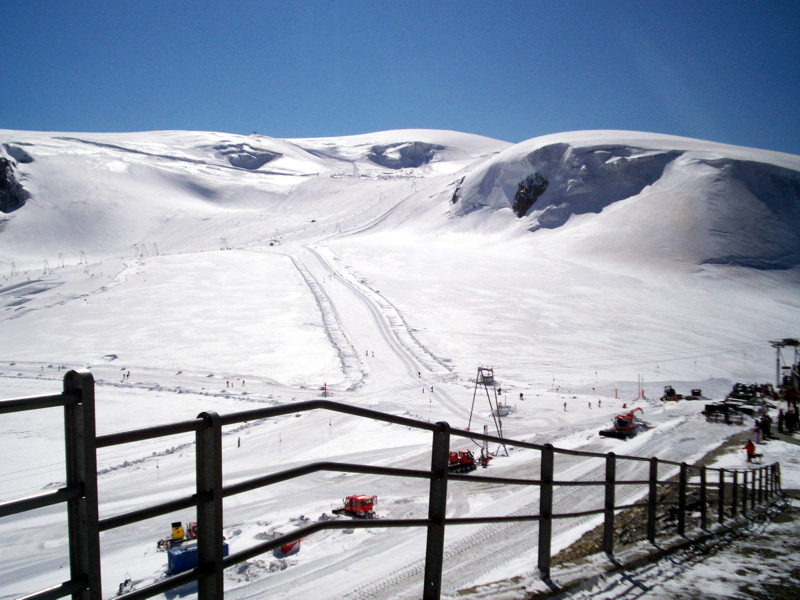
point(652, 501)
point(546, 510)
point(82, 513)
point(208, 456)
point(770, 483)
point(735, 494)
point(608, 528)
point(745, 491)
point(437, 509)
point(682, 501)
point(721, 497)
point(703, 508)
point(760, 485)
point(752, 490)
point(772, 489)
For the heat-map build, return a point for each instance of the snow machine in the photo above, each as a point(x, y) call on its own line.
point(626, 426)
point(360, 507)
point(180, 534)
point(461, 461)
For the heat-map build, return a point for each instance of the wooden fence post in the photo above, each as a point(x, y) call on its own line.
point(703, 500)
point(208, 456)
point(652, 501)
point(682, 501)
point(437, 510)
point(546, 510)
point(608, 528)
point(83, 520)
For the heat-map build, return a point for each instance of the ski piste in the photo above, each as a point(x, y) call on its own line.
point(340, 274)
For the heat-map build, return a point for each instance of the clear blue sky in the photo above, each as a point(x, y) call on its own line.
point(724, 71)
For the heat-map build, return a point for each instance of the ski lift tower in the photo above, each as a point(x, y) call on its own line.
point(778, 345)
point(485, 377)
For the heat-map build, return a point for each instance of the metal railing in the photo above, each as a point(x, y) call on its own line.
point(682, 496)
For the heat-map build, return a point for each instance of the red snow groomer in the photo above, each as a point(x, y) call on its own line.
point(626, 426)
point(461, 461)
point(360, 507)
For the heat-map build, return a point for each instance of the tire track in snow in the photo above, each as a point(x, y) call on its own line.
point(403, 331)
point(349, 359)
point(395, 330)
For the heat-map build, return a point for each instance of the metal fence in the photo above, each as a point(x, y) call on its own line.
point(680, 491)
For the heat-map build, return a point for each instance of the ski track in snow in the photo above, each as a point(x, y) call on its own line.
point(348, 356)
point(378, 357)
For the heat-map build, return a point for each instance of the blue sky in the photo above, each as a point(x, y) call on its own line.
point(715, 70)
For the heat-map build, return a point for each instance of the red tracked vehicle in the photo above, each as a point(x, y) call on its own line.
point(359, 506)
point(626, 426)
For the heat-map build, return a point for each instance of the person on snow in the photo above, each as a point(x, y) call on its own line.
point(766, 427)
point(750, 448)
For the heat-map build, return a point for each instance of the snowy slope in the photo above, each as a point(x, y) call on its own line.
point(660, 196)
point(226, 272)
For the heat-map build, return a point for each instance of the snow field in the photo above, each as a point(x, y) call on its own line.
point(222, 285)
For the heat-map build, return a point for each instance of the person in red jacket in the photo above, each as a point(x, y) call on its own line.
point(750, 448)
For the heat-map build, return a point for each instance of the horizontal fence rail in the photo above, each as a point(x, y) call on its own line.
point(679, 490)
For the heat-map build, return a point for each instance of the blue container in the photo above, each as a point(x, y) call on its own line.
point(184, 558)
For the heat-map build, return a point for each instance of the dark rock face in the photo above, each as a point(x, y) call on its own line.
point(589, 179)
point(12, 194)
point(18, 154)
point(244, 156)
point(406, 155)
point(528, 192)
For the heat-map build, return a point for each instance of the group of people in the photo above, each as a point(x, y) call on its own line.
point(788, 423)
point(762, 430)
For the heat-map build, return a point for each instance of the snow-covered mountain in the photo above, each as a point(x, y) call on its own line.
point(225, 271)
point(102, 193)
point(675, 198)
point(688, 200)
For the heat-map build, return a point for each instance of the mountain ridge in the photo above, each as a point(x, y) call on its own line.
point(125, 189)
